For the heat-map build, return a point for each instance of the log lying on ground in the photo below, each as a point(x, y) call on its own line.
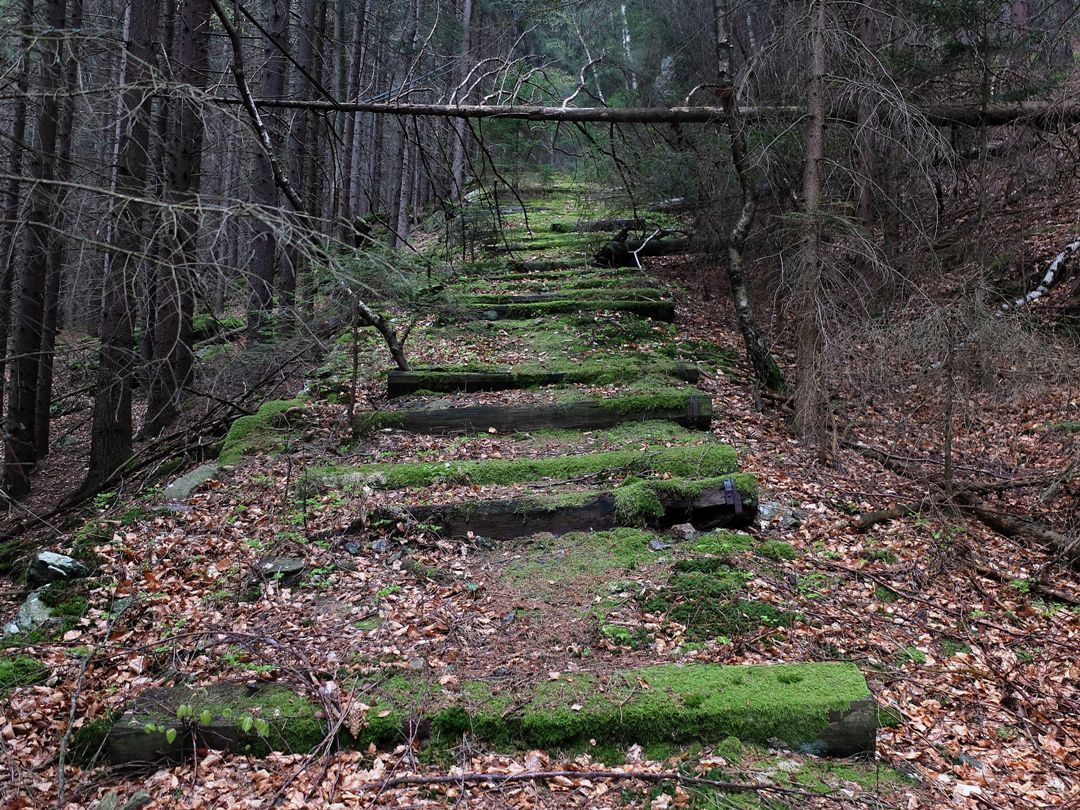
point(598, 225)
point(708, 460)
point(1011, 526)
point(621, 254)
point(399, 383)
point(655, 310)
point(708, 504)
point(588, 294)
point(692, 410)
point(816, 708)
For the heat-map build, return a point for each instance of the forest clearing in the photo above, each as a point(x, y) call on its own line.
point(529, 405)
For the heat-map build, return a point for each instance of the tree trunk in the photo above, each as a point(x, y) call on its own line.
point(173, 357)
point(57, 256)
point(20, 455)
point(765, 367)
point(261, 276)
point(353, 127)
point(111, 434)
point(458, 159)
point(9, 230)
point(810, 393)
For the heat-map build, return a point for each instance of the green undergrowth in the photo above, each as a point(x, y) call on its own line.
point(20, 670)
point(206, 325)
point(553, 562)
point(705, 590)
point(709, 460)
point(646, 308)
point(652, 706)
point(261, 431)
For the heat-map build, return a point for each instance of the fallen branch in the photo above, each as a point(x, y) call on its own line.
point(1012, 526)
point(1034, 585)
point(1053, 275)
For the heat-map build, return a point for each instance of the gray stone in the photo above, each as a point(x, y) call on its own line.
point(32, 614)
point(183, 486)
point(286, 569)
point(379, 546)
point(773, 514)
point(684, 531)
point(658, 545)
point(48, 566)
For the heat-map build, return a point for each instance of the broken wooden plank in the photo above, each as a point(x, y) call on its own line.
point(690, 410)
point(706, 505)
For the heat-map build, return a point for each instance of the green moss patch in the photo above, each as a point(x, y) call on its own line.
point(819, 708)
point(711, 460)
point(638, 501)
point(553, 563)
point(262, 430)
point(705, 595)
point(20, 670)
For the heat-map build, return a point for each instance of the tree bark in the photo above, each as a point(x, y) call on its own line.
point(57, 256)
point(172, 337)
point(810, 393)
point(457, 163)
point(261, 276)
point(12, 195)
point(20, 453)
point(766, 370)
point(111, 433)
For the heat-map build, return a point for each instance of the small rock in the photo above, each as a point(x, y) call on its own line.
point(380, 546)
point(788, 766)
point(346, 565)
point(48, 566)
point(785, 517)
point(183, 486)
point(33, 613)
point(352, 547)
point(286, 569)
point(684, 531)
point(418, 664)
point(658, 545)
point(485, 543)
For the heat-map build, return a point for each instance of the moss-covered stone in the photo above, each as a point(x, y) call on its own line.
point(638, 501)
point(262, 430)
point(703, 460)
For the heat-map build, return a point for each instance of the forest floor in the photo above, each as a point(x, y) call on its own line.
point(967, 639)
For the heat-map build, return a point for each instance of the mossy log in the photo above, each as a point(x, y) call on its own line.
point(690, 410)
point(598, 225)
point(581, 512)
point(399, 383)
point(656, 310)
point(621, 253)
point(587, 294)
point(814, 708)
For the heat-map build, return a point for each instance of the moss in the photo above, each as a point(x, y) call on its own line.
point(696, 702)
point(731, 749)
point(88, 741)
point(552, 563)
point(777, 550)
point(20, 670)
point(638, 502)
point(657, 397)
point(68, 599)
point(259, 431)
point(878, 555)
point(206, 325)
point(606, 370)
point(644, 308)
point(656, 707)
point(586, 294)
point(709, 460)
point(722, 542)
